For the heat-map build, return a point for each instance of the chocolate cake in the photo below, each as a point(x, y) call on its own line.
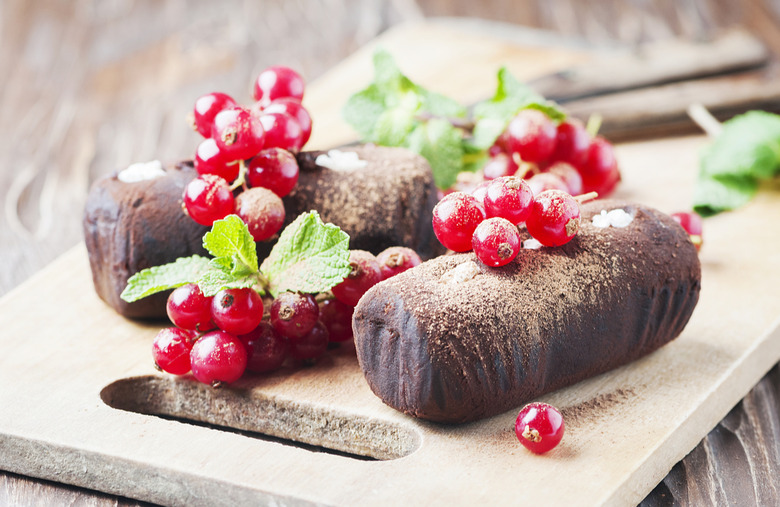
point(453, 340)
point(136, 224)
point(386, 202)
point(384, 199)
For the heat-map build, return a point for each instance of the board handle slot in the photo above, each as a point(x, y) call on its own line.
point(257, 415)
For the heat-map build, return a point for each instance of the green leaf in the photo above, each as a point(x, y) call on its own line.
point(156, 279)
point(363, 109)
point(442, 144)
point(310, 256)
point(392, 127)
point(745, 152)
point(214, 281)
point(230, 242)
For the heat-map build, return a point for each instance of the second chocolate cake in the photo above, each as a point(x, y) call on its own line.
point(454, 341)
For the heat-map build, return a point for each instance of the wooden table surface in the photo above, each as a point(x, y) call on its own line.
point(89, 86)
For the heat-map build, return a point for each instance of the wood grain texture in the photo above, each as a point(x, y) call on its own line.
point(91, 86)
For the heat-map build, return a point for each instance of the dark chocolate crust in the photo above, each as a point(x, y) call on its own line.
point(133, 226)
point(387, 203)
point(454, 351)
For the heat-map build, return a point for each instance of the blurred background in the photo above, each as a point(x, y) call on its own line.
point(90, 86)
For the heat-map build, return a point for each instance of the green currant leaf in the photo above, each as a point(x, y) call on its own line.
point(156, 279)
point(310, 257)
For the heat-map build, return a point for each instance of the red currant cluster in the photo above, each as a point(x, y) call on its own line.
point(218, 338)
point(565, 157)
point(249, 149)
point(487, 220)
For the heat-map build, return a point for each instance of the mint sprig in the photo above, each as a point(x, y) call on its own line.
point(745, 152)
point(309, 257)
point(395, 111)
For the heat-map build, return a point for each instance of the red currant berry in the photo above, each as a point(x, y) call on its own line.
point(531, 135)
point(238, 133)
point(311, 345)
point(262, 211)
point(209, 160)
point(171, 350)
point(294, 108)
point(598, 171)
point(294, 314)
point(571, 143)
point(206, 108)
point(218, 357)
point(499, 165)
point(501, 145)
point(266, 348)
point(539, 427)
point(480, 192)
point(508, 197)
point(275, 169)
point(397, 259)
point(570, 176)
point(237, 311)
point(281, 131)
point(454, 219)
point(496, 242)
point(188, 308)
point(337, 317)
point(278, 82)
point(208, 198)
point(554, 219)
point(692, 224)
point(364, 274)
point(540, 182)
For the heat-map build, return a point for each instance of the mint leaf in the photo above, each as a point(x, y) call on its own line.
point(214, 281)
point(363, 109)
point(310, 256)
point(745, 152)
point(441, 143)
point(392, 127)
point(233, 247)
point(511, 96)
point(150, 281)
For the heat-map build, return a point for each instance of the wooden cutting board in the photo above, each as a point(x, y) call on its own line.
point(77, 382)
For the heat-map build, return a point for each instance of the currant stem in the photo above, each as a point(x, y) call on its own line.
point(586, 197)
point(705, 120)
point(594, 124)
point(241, 179)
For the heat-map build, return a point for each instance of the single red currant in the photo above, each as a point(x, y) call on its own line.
point(262, 211)
point(206, 108)
point(499, 165)
point(600, 169)
point(210, 160)
point(454, 219)
point(554, 219)
point(571, 143)
point(218, 357)
point(171, 350)
point(278, 82)
point(365, 273)
point(531, 134)
point(275, 169)
point(337, 318)
point(500, 145)
point(294, 108)
point(238, 133)
point(311, 345)
point(570, 176)
point(539, 427)
point(188, 308)
point(540, 182)
point(281, 131)
point(397, 259)
point(692, 224)
point(480, 192)
point(508, 197)
point(496, 242)
point(237, 311)
point(266, 348)
point(294, 314)
point(207, 199)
